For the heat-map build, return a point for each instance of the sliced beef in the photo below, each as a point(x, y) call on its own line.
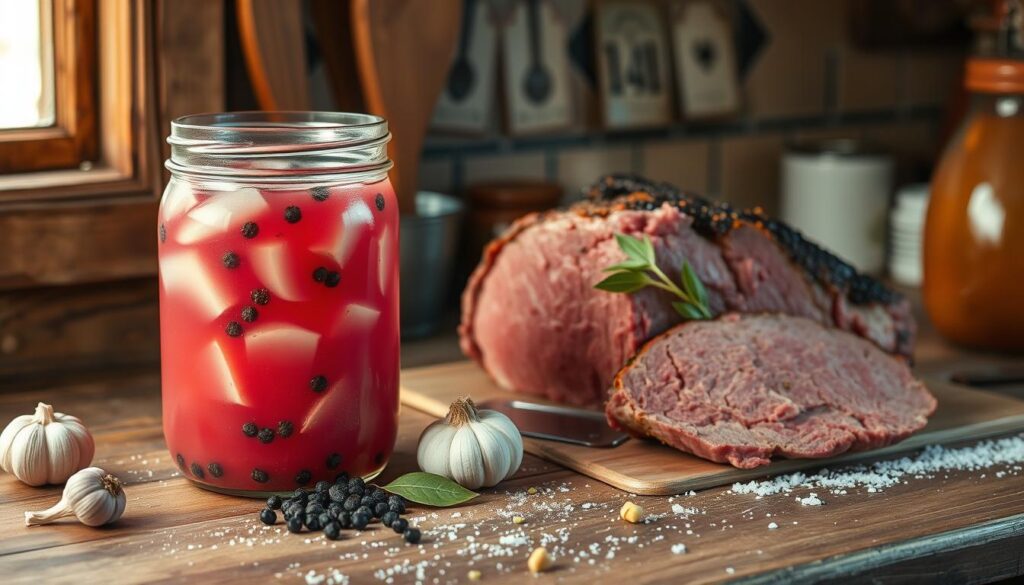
point(532, 317)
point(745, 388)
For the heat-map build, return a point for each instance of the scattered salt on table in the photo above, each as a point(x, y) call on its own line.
point(879, 475)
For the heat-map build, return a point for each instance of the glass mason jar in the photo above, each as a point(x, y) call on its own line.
point(278, 252)
point(974, 233)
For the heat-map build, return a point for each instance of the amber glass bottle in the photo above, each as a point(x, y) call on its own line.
point(974, 234)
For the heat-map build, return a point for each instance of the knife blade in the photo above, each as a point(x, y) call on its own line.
point(559, 423)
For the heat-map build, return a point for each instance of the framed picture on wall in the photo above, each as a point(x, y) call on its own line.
point(633, 64)
point(705, 60)
point(537, 91)
point(466, 104)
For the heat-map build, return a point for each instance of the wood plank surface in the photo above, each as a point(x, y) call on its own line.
point(960, 523)
point(645, 467)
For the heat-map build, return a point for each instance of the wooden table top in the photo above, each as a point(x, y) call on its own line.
point(966, 525)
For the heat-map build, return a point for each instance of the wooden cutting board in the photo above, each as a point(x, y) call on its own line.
point(647, 468)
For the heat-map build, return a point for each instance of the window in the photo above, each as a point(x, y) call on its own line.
point(26, 54)
point(48, 102)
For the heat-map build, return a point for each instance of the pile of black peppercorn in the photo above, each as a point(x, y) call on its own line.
point(348, 503)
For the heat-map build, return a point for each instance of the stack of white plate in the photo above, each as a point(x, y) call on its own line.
point(906, 235)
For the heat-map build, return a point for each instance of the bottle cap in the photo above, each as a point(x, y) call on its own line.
point(995, 75)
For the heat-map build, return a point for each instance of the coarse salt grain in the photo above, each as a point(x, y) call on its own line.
point(772, 526)
point(685, 511)
point(678, 549)
point(811, 500)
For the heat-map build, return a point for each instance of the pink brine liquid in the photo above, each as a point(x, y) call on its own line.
point(279, 332)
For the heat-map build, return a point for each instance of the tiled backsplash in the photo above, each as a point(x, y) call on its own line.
point(808, 81)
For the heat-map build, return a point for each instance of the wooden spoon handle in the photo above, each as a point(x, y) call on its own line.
point(403, 49)
point(274, 45)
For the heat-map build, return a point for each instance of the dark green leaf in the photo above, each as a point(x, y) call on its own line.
point(430, 489)
point(693, 286)
point(688, 311)
point(628, 265)
point(635, 249)
point(623, 282)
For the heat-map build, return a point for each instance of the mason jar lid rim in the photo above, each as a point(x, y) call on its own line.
point(256, 120)
point(287, 145)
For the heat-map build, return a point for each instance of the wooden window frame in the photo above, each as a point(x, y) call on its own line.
point(69, 226)
point(78, 246)
point(124, 101)
point(156, 60)
point(72, 139)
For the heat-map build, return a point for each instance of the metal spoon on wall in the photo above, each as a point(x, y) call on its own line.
point(537, 83)
point(462, 78)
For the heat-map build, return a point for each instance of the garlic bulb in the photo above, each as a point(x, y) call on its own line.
point(93, 495)
point(474, 448)
point(45, 447)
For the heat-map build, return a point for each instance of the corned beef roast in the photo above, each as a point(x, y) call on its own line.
point(532, 318)
point(743, 388)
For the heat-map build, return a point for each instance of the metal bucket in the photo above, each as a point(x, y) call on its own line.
point(429, 245)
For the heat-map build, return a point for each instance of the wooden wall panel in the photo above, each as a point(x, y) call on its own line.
point(50, 333)
point(64, 244)
point(190, 59)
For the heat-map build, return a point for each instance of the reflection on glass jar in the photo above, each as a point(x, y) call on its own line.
point(279, 299)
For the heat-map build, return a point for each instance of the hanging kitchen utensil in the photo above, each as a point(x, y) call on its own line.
point(332, 24)
point(403, 48)
point(274, 44)
point(466, 106)
point(462, 76)
point(537, 83)
point(536, 68)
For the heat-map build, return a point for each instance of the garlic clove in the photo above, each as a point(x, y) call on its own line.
point(465, 461)
point(7, 438)
point(83, 440)
point(94, 508)
point(495, 451)
point(435, 444)
point(62, 454)
point(118, 511)
point(29, 456)
point(509, 429)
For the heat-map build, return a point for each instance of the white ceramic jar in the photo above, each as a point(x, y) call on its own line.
point(837, 193)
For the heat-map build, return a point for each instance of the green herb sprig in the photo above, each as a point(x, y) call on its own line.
point(640, 270)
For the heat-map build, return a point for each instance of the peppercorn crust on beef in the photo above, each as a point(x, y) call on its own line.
point(532, 319)
point(744, 388)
